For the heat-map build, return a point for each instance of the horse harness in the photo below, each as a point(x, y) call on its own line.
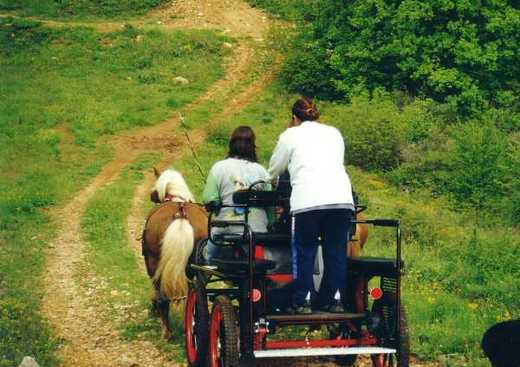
point(180, 214)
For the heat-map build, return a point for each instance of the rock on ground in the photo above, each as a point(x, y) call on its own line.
point(29, 362)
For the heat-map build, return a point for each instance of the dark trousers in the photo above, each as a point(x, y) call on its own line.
point(333, 227)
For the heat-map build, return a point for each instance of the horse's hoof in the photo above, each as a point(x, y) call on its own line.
point(167, 335)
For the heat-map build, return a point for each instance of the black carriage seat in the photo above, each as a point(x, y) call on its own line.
point(264, 239)
point(373, 266)
point(240, 266)
point(273, 240)
point(276, 246)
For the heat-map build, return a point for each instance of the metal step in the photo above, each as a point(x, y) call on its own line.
point(316, 317)
point(308, 352)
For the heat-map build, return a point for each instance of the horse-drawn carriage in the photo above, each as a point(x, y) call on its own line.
point(246, 289)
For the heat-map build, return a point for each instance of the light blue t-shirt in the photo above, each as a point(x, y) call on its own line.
point(230, 175)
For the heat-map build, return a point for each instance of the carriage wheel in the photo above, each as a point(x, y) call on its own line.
point(223, 335)
point(200, 259)
point(402, 341)
point(196, 325)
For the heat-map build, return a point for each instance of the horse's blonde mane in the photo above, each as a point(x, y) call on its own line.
point(171, 182)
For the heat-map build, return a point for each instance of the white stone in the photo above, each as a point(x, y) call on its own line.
point(29, 362)
point(180, 80)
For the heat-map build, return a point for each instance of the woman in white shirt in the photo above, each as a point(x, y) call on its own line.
point(321, 203)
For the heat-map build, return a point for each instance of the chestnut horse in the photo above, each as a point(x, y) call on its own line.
point(172, 230)
point(358, 240)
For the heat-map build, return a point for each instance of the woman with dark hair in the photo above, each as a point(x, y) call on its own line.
point(322, 205)
point(237, 172)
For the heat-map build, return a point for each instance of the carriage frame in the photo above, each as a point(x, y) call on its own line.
point(239, 328)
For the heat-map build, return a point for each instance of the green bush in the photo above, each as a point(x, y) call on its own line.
point(459, 52)
point(308, 71)
point(478, 165)
point(375, 130)
point(474, 163)
point(511, 201)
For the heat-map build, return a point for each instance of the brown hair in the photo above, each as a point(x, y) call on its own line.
point(242, 144)
point(305, 109)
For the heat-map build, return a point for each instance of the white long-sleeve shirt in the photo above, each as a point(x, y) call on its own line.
point(314, 155)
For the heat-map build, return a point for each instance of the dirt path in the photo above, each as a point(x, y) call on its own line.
point(71, 302)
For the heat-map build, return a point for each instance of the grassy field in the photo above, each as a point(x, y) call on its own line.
point(60, 90)
point(456, 284)
point(80, 8)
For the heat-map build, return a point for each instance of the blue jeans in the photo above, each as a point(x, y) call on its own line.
point(333, 227)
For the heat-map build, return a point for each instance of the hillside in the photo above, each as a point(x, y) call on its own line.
point(93, 94)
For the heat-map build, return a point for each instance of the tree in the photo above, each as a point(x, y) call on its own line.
point(464, 53)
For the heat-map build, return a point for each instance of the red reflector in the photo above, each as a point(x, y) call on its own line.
point(376, 293)
point(256, 295)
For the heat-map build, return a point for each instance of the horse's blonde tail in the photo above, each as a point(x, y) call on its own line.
point(176, 249)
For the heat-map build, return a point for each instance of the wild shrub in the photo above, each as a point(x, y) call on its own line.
point(478, 165)
point(424, 163)
point(473, 163)
point(375, 130)
point(511, 202)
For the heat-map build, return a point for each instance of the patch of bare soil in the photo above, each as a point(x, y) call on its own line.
point(234, 17)
point(75, 309)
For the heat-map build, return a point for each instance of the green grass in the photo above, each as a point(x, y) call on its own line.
point(455, 287)
point(100, 83)
point(128, 291)
point(61, 90)
point(80, 8)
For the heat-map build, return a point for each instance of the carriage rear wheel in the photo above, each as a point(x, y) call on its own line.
point(223, 334)
point(199, 258)
point(401, 341)
point(196, 325)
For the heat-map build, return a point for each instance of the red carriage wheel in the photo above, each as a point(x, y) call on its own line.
point(223, 335)
point(196, 322)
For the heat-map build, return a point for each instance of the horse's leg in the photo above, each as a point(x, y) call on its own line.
point(151, 264)
point(163, 306)
point(154, 305)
